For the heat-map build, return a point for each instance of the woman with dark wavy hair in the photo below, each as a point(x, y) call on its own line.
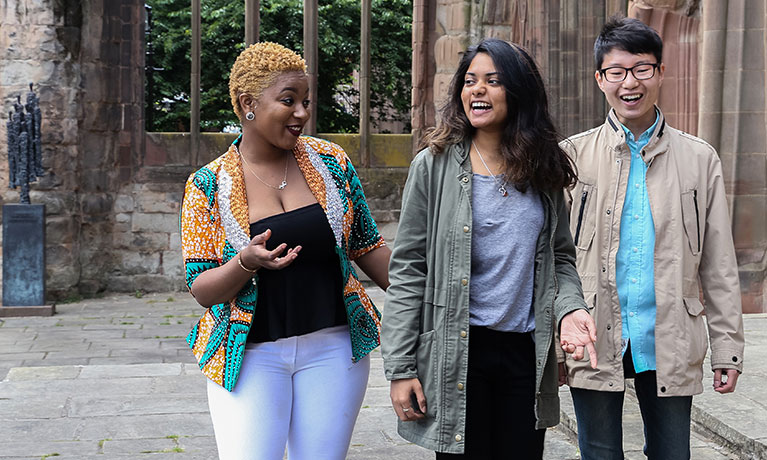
point(484, 256)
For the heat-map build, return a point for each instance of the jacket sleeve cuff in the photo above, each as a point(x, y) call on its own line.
point(727, 359)
point(397, 369)
point(568, 305)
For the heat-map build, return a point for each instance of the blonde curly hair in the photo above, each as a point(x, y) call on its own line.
point(256, 68)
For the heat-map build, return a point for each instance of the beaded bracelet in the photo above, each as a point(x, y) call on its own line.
point(239, 261)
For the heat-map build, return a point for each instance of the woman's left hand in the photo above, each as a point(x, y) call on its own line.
point(576, 332)
point(256, 255)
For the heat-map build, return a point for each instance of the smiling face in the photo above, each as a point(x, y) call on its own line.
point(633, 100)
point(483, 96)
point(281, 112)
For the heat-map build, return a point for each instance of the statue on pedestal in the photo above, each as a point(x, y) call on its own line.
point(24, 146)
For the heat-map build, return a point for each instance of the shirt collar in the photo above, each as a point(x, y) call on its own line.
point(645, 136)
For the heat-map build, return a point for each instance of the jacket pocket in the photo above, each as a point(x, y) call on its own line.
point(691, 218)
point(426, 364)
point(591, 299)
point(583, 215)
point(696, 331)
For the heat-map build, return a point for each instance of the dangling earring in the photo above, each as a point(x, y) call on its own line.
point(250, 116)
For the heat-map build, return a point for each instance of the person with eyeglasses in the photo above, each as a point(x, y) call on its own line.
point(651, 227)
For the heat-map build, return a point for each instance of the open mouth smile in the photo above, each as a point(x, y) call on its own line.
point(480, 107)
point(295, 130)
point(630, 98)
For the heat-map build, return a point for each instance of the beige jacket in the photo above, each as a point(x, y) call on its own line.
point(694, 254)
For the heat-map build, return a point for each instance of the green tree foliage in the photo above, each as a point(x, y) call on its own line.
point(281, 22)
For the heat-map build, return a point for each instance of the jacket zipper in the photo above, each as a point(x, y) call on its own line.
point(580, 216)
point(697, 215)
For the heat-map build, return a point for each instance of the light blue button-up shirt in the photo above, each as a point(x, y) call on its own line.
point(634, 262)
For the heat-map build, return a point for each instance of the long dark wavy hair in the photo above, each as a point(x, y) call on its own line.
point(530, 141)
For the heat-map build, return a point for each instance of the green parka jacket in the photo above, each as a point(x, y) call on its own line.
point(425, 328)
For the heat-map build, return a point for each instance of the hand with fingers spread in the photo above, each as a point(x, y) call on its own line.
point(577, 332)
point(256, 255)
point(408, 400)
point(725, 380)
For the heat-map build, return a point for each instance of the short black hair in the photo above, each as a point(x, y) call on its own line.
point(627, 34)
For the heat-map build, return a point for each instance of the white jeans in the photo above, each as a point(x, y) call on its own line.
point(304, 391)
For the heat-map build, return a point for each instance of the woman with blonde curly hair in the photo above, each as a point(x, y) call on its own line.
point(268, 233)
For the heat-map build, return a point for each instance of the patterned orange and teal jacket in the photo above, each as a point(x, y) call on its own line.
point(215, 227)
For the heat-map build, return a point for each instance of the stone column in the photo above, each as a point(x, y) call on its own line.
point(111, 137)
point(678, 23)
point(733, 118)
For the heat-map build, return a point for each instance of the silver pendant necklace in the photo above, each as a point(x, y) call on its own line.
point(501, 185)
point(284, 182)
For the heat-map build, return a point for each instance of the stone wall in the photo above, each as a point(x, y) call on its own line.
point(715, 53)
point(146, 242)
point(733, 118)
point(86, 59)
point(558, 33)
point(112, 132)
point(40, 42)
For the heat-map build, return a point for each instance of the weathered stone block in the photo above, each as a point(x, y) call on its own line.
point(96, 203)
point(175, 243)
point(60, 230)
point(59, 255)
point(750, 222)
point(447, 51)
point(154, 202)
point(753, 132)
point(752, 174)
point(94, 180)
point(145, 241)
point(163, 223)
point(132, 262)
point(173, 264)
point(33, 12)
point(124, 203)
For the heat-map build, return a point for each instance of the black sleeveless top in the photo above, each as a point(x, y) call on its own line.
point(307, 295)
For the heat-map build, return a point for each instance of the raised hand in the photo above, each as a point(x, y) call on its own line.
point(255, 255)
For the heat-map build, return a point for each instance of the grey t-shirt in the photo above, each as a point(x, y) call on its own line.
point(503, 239)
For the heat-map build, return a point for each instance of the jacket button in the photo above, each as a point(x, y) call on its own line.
point(464, 281)
point(609, 327)
point(464, 179)
point(604, 269)
point(608, 212)
point(463, 334)
point(610, 383)
point(460, 386)
point(734, 359)
point(465, 229)
point(458, 438)
point(662, 389)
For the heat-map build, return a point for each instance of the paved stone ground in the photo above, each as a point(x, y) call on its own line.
point(113, 378)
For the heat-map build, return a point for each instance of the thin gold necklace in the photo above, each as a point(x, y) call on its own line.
point(284, 182)
point(501, 185)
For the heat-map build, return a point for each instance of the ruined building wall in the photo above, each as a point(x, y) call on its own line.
point(714, 85)
point(40, 42)
point(86, 59)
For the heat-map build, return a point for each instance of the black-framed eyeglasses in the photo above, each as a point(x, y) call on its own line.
point(618, 74)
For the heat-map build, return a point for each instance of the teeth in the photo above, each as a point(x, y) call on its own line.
point(481, 106)
point(631, 97)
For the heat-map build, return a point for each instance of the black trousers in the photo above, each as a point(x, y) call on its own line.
point(500, 398)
